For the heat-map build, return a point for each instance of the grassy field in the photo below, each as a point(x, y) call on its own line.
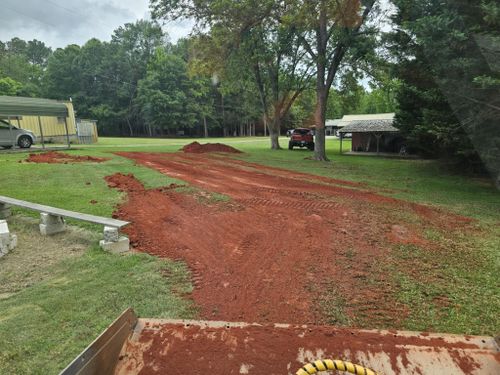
point(46, 320)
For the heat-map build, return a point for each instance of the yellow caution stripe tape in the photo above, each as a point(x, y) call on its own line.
point(338, 365)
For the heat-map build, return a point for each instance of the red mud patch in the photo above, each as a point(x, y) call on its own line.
point(196, 350)
point(53, 157)
point(261, 257)
point(197, 148)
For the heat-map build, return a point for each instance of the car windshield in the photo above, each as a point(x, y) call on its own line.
point(301, 131)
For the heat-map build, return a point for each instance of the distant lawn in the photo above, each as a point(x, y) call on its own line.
point(48, 321)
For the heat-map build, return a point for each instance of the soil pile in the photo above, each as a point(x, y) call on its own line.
point(124, 182)
point(197, 148)
point(53, 157)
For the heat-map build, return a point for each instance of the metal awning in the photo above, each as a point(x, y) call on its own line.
point(370, 126)
point(20, 106)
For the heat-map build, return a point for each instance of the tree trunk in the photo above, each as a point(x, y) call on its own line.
point(130, 127)
point(205, 128)
point(320, 118)
point(274, 132)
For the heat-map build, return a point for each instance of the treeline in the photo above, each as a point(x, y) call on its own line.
point(250, 66)
point(140, 84)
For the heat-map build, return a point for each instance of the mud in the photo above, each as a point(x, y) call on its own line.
point(197, 148)
point(53, 157)
point(284, 245)
point(191, 348)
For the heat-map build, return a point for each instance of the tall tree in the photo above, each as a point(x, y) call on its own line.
point(253, 34)
point(137, 43)
point(328, 29)
point(449, 102)
point(167, 95)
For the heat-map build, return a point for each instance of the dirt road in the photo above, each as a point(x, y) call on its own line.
point(287, 247)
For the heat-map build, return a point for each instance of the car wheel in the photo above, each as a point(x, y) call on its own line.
point(311, 146)
point(24, 141)
point(290, 145)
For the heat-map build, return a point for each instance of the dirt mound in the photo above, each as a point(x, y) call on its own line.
point(124, 182)
point(260, 256)
point(197, 148)
point(53, 157)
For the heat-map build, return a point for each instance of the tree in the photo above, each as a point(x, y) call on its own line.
point(328, 30)
point(9, 87)
point(166, 94)
point(15, 63)
point(62, 77)
point(136, 45)
point(449, 102)
point(253, 35)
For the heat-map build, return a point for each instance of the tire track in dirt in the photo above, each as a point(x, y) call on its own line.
point(272, 251)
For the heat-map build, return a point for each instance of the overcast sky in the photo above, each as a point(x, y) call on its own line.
point(62, 22)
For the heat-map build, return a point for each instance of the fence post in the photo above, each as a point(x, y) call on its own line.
point(67, 131)
point(41, 131)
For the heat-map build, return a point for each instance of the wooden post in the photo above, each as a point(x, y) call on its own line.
point(67, 131)
point(10, 133)
point(378, 141)
point(341, 138)
point(41, 131)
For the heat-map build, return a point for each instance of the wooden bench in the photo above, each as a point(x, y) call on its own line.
point(52, 221)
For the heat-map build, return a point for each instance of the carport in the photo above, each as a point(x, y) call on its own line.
point(387, 137)
point(14, 107)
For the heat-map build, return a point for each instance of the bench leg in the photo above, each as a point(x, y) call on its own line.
point(113, 242)
point(51, 224)
point(5, 211)
point(7, 241)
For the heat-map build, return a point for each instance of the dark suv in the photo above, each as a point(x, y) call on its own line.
point(301, 137)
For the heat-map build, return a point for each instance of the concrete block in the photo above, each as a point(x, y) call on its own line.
point(51, 224)
point(5, 211)
point(120, 246)
point(111, 234)
point(8, 241)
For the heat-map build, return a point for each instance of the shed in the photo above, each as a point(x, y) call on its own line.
point(377, 135)
point(47, 119)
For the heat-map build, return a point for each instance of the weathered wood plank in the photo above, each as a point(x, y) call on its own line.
point(65, 213)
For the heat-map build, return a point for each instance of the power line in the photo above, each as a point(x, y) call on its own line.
point(72, 11)
point(28, 15)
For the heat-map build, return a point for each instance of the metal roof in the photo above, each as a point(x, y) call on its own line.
point(347, 119)
point(20, 106)
point(334, 122)
point(369, 126)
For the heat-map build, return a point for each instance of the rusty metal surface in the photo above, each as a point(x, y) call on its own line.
point(101, 357)
point(196, 347)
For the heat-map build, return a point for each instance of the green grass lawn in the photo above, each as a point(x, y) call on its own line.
point(47, 322)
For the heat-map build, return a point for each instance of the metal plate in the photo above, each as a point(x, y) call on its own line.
point(101, 357)
point(197, 347)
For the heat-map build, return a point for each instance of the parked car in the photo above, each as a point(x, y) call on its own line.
point(23, 138)
point(301, 137)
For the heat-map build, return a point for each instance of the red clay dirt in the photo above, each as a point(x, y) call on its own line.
point(197, 148)
point(212, 348)
point(271, 252)
point(53, 157)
